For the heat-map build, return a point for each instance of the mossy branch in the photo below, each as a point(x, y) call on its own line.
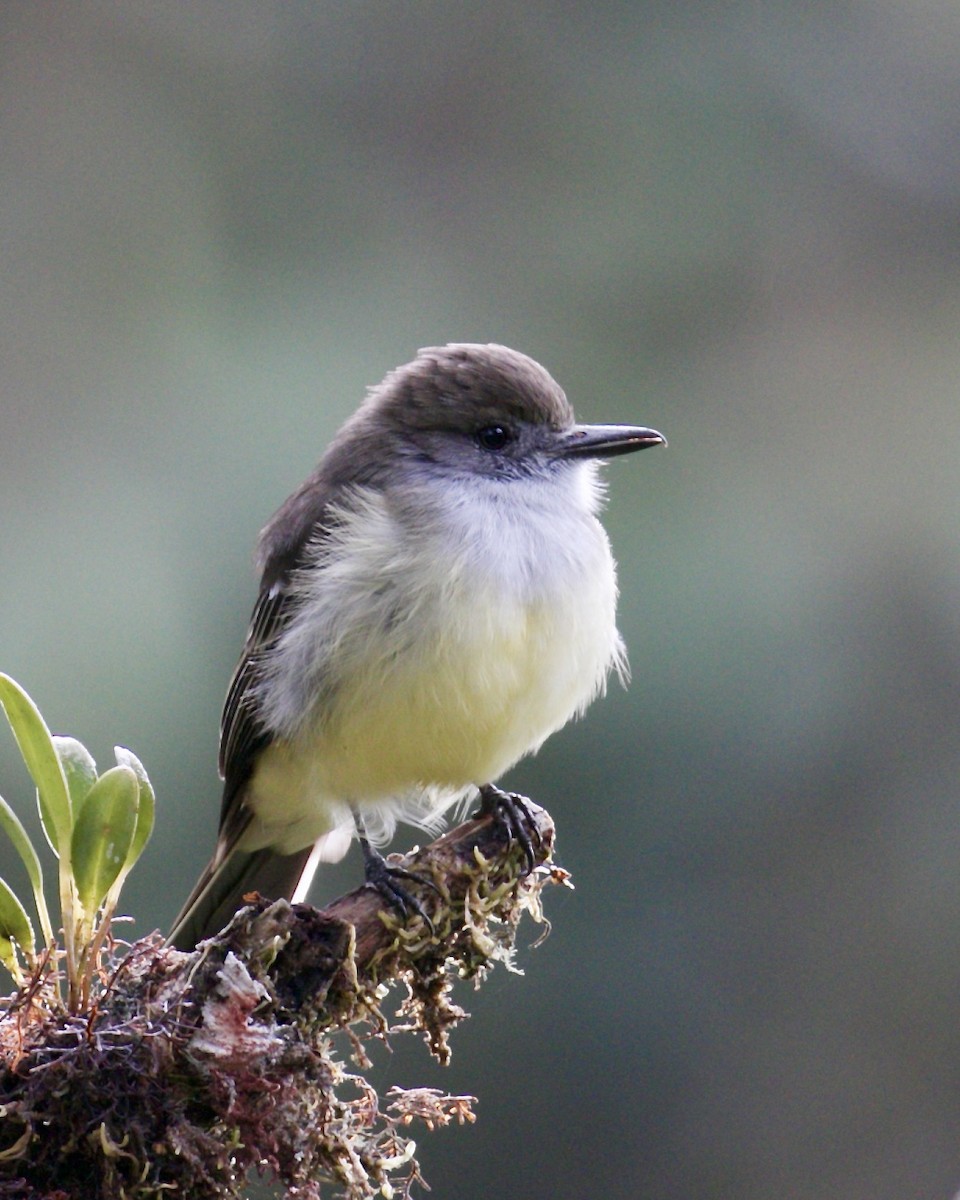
point(188, 1071)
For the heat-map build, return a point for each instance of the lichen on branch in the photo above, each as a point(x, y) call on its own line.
point(188, 1071)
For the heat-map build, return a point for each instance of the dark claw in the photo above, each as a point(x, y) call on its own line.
point(514, 814)
point(384, 877)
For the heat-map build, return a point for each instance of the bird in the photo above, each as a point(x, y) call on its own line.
point(436, 599)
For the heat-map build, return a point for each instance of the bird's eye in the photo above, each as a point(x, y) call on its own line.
point(493, 437)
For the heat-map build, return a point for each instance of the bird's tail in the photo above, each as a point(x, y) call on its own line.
point(221, 888)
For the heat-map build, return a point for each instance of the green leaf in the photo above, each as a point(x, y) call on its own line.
point(24, 847)
point(8, 956)
point(79, 768)
point(103, 833)
point(43, 762)
point(148, 802)
point(22, 844)
point(14, 922)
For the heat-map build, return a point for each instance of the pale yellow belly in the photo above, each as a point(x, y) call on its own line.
point(471, 698)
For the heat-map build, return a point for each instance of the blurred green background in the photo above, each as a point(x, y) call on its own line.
point(738, 223)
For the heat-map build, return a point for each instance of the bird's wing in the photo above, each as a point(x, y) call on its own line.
point(284, 548)
point(242, 736)
point(229, 874)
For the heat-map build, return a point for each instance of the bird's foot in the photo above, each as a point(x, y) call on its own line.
point(385, 878)
point(515, 815)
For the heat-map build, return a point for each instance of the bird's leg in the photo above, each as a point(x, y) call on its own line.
point(385, 878)
point(513, 812)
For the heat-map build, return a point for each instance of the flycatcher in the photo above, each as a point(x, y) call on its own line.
point(435, 600)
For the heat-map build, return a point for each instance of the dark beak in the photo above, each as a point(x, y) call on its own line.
point(607, 441)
